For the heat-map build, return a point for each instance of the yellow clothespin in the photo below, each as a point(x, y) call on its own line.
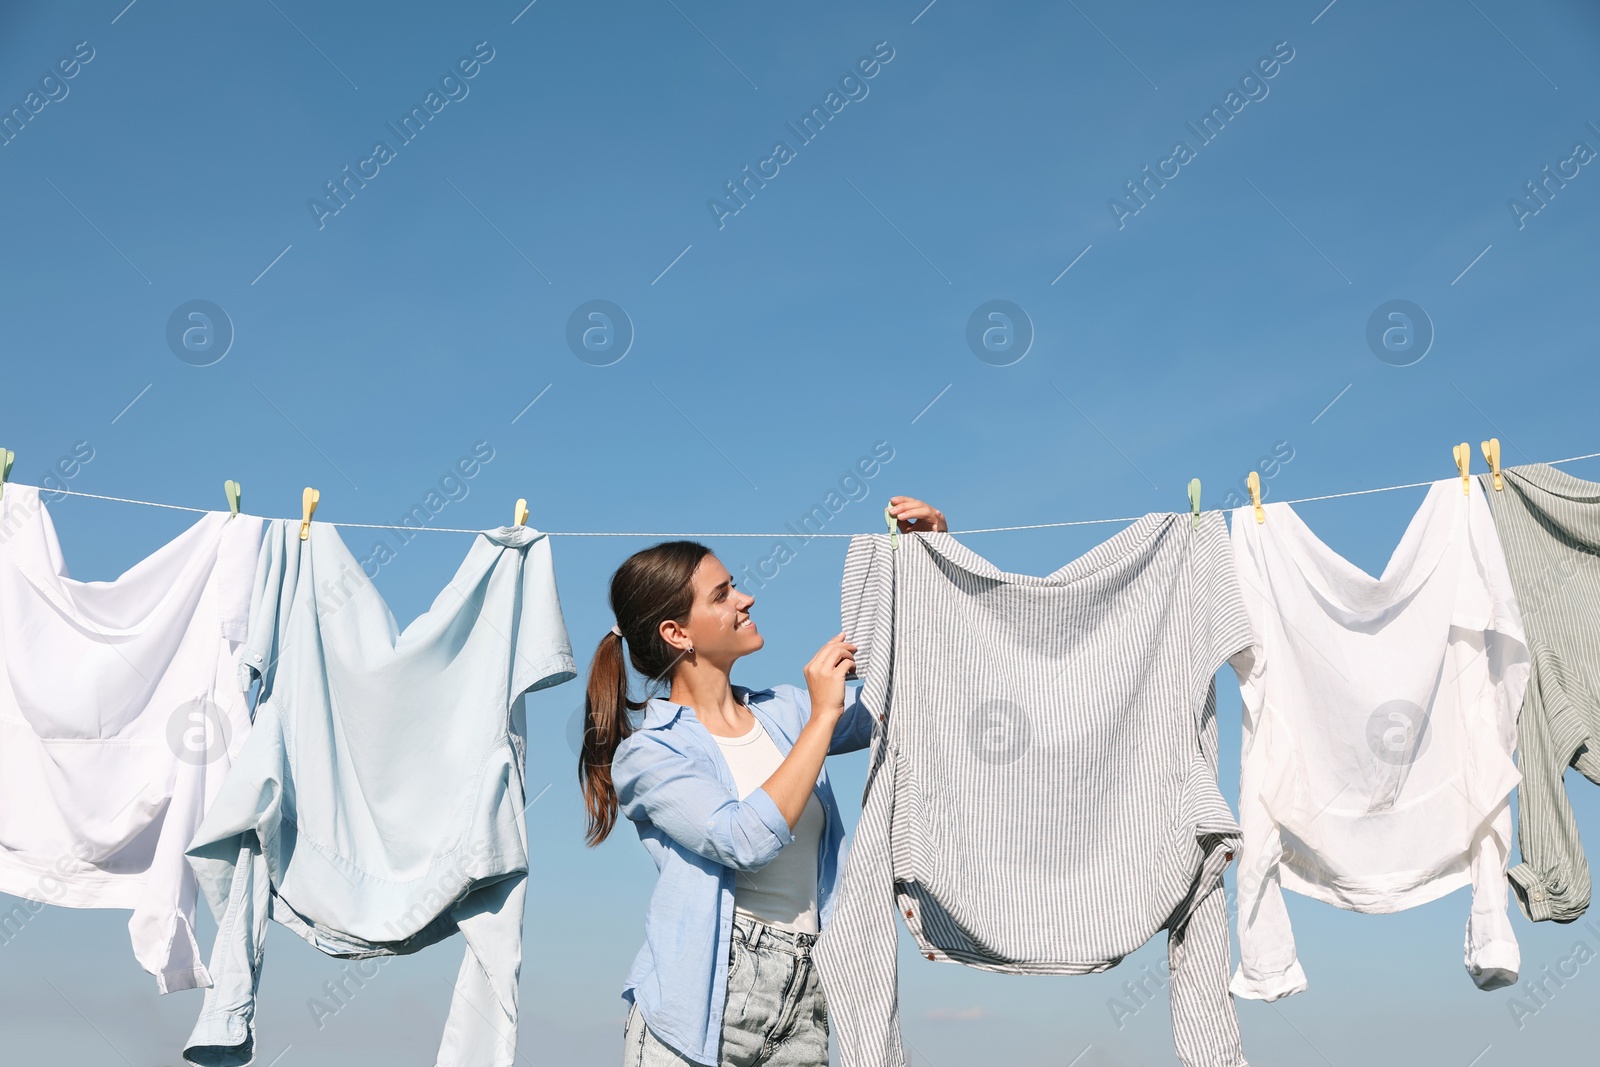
point(308, 507)
point(1194, 501)
point(1463, 456)
point(233, 492)
point(519, 517)
point(1254, 482)
point(894, 529)
point(1491, 452)
point(7, 458)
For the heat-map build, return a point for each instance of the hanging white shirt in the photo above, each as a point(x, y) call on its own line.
point(119, 718)
point(1379, 725)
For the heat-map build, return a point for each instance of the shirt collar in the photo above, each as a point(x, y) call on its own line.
point(660, 712)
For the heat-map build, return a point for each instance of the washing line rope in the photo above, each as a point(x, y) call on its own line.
point(785, 533)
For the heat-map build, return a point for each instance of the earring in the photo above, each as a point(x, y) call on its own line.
point(691, 650)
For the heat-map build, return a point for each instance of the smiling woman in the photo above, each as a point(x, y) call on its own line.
point(726, 788)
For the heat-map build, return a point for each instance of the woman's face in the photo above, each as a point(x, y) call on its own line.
point(720, 626)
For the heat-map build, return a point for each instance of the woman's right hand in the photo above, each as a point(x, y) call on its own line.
point(825, 676)
point(791, 785)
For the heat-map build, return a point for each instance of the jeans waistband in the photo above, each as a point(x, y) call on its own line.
point(757, 934)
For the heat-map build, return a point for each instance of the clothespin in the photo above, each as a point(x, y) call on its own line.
point(308, 506)
point(1463, 456)
point(519, 516)
point(894, 530)
point(1491, 452)
point(233, 492)
point(1254, 481)
point(7, 458)
point(1194, 501)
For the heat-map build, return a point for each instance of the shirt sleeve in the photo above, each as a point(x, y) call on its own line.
point(225, 1033)
point(1205, 1028)
point(1269, 965)
point(1553, 880)
point(854, 730)
point(867, 611)
point(482, 1025)
point(856, 953)
point(1222, 626)
point(543, 649)
point(277, 574)
point(1492, 955)
point(665, 788)
point(851, 733)
point(238, 554)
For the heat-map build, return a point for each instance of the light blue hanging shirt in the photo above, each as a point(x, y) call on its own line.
point(377, 806)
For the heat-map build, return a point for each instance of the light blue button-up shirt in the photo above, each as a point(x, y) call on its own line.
point(675, 786)
point(377, 805)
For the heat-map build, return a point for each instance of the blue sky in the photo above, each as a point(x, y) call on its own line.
point(1223, 322)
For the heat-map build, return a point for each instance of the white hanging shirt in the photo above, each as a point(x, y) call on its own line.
point(784, 892)
point(1379, 725)
point(119, 719)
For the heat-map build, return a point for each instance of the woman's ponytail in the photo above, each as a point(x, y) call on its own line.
point(651, 586)
point(605, 724)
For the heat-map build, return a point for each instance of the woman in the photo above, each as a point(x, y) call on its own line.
point(726, 788)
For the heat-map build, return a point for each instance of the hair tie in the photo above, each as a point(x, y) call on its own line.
point(615, 630)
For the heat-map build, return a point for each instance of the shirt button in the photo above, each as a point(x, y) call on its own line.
point(1228, 857)
point(930, 955)
point(908, 913)
point(1538, 894)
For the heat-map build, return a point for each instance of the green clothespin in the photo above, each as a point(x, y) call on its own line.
point(231, 488)
point(1194, 501)
point(7, 458)
point(894, 530)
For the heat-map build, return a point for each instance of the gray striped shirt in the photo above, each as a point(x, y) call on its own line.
point(1042, 795)
point(1549, 527)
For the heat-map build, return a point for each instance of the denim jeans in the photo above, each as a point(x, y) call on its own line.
point(775, 1014)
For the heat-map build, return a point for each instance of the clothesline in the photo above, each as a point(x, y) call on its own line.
point(784, 533)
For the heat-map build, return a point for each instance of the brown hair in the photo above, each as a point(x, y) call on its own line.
point(651, 586)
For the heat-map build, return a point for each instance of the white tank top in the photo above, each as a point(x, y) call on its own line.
point(784, 892)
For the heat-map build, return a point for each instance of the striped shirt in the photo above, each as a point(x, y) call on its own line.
point(1042, 794)
point(1549, 525)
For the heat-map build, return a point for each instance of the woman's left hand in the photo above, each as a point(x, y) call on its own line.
point(914, 515)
